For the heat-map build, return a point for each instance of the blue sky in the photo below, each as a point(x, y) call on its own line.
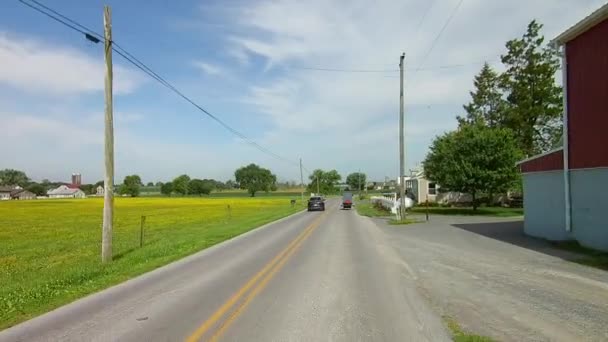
point(241, 60)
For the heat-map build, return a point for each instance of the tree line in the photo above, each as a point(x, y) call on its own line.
point(511, 115)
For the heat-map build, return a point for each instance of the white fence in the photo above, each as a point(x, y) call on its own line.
point(390, 202)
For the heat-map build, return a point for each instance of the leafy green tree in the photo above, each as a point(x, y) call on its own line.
point(159, 184)
point(199, 187)
point(166, 189)
point(534, 99)
point(150, 184)
point(255, 178)
point(13, 177)
point(356, 180)
point(487, 104)
point(327, 181)
point(87, 188)
point(230, 184)
point(475, 159)
point(180, 184)
point(38, 189)
point(131, 186)
point(100, 183)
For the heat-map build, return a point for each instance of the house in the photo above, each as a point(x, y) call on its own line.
point(66, 191)
point(421, 189)
point(22, 194)
point(5, 191)
point(99, 191)
point(565, 188)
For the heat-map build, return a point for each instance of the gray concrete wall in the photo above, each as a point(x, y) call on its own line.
point(589, 194)
point(544, 205)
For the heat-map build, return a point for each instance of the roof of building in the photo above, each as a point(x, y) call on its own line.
point(22, 191)
point(539, 155)
point(6, 188)
point(63, 190)
point(73, 186)
point(582, 26)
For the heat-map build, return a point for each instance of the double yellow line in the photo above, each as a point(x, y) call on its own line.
point(251, 288)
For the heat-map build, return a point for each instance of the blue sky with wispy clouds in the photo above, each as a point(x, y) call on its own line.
point(242, 61)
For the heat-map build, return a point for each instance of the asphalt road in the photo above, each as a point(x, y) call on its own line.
point(323, 276)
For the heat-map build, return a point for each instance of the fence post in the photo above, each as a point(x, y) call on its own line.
point(141, 231)
point(427, 207)
point(229, 210)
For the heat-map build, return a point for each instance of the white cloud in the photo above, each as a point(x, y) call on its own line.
point(335, 111)
point(34, 66)
point(207, 68)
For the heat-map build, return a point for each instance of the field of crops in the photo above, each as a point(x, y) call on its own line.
point(50, 249)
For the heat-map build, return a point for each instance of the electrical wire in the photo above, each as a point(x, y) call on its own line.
point(147, 70)
point(434, 43)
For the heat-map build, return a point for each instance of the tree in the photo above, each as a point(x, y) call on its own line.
point(199, 187)
point(159, 184)
point(255, 178)
point(356, 180)
point(327, 181)
point(38, 189)
point(166, 189)
point(180, 184)
point(150, 184)
point(13, 177)
point(534, 99)
point(87, 188)
point(474, 159)
point(487, 105)
point(131, 186)
point(100, 183)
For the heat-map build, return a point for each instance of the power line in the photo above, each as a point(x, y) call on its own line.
point(422, 19)
point(344, 70)
point(447, 22)
point(92, 35)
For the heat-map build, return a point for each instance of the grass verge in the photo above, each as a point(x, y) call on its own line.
point(366, 208)
point(460, 335)
point(396, 222)
point(50, 251)
point(591, 257)
point(486, 211)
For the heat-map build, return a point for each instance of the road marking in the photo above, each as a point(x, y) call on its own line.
point(219, 313)
point(261, 285)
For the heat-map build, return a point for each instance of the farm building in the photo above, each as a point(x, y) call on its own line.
point(565, 189)
point(22, 194)
point(66, 191)
point(5, 192)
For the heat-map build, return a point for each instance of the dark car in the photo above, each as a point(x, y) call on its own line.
point(316, 203)
point(347, 200)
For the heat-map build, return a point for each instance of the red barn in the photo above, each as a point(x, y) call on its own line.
point(565, 190)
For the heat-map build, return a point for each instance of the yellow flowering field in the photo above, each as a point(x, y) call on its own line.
point(50, 249)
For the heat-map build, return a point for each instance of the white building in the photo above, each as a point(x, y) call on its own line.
point(66, 191)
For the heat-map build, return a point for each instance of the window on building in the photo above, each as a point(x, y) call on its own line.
point(432, 189)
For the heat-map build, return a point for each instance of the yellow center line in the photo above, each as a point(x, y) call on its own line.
point(261, 285)
point(220, 312)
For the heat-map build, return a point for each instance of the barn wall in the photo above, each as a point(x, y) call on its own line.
point(548, 162)
point(589, 191)
point(544, 205)
point(587, 58)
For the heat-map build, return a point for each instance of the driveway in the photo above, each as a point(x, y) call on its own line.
point(495, 281)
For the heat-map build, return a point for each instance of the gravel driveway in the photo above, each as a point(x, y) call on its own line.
point(497, 282)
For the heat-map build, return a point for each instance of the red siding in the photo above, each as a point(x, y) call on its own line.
point(587, 58)
point(550, 162)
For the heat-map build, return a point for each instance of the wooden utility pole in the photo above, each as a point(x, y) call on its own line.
point(108, 181)
point(401, 141)
point(301, 181)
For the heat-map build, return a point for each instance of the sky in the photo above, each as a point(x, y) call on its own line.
point(249, 63)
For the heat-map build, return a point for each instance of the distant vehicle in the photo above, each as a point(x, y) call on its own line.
point(347, 200)
point(316, 203)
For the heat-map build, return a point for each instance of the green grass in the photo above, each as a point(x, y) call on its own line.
point(396, 222)
point(365, 208)
point(460, 335)
point(592, 257)
point(486, 211)
point(50, 252)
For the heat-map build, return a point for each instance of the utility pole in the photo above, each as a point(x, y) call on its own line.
point(359, 182)
point(301, 181)
point(401, 140)
point(318, 191)
point(108, 181)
